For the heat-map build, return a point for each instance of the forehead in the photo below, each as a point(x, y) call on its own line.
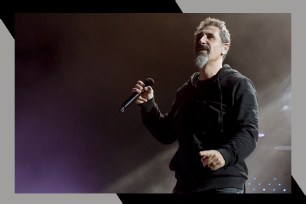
point(209, 29)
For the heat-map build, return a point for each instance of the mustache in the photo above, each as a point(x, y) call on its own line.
point(203, 47)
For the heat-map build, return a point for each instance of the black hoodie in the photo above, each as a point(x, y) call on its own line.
point(219, 113)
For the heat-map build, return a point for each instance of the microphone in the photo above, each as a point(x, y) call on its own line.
point(134, 96)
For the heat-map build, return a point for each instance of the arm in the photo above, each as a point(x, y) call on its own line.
point(157, 123)
point(243, 142)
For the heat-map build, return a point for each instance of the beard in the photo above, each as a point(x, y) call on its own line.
point(201, 60)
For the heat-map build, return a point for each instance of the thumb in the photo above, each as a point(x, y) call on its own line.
point(148, 89)
point(205, 153)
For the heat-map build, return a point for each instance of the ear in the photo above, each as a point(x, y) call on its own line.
point(225, 48)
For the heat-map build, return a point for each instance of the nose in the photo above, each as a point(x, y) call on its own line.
point(203, 39)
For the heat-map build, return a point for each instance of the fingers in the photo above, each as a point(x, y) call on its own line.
point(146, 92)
point(207, 153)
point(204, 161)
point(136, 90)
point(148, 88)
point(141, 100)
point(218, 166)
point(139, 87)
point(140, 83)
point(212, 159)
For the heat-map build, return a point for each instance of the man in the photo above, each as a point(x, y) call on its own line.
point(214, 118)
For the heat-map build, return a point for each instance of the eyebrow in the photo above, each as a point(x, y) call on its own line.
point(208, 33)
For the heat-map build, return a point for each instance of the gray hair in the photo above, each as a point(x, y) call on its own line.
point(224, 33)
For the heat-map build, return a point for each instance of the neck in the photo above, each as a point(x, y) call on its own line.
point(210, 70)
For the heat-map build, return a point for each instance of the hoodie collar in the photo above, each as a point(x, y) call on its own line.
point(195, 76)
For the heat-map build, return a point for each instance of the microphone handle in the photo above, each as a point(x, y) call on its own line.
point(130, 100)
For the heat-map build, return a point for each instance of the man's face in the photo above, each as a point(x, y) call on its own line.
point(208, 46)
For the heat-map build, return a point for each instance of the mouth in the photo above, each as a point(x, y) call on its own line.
point(202, 49)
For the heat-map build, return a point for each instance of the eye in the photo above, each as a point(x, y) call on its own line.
point(210, 36)
point(198, 36)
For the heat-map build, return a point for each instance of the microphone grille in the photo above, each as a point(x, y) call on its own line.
point(149, 82)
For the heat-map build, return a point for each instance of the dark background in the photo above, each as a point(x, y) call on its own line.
point(73, 71)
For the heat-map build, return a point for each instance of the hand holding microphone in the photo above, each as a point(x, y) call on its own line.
point(142, 92)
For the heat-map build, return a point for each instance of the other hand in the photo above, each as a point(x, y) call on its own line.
point(213, 159)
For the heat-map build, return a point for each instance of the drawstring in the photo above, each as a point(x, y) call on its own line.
point(220, 116)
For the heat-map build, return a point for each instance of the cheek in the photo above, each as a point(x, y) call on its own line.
point(216, 50)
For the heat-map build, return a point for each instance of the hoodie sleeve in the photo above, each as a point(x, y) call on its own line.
point(243, 141)
point(158, 124)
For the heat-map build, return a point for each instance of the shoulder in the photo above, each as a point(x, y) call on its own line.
point(244, 86)
point(235, 78)
point(190, 83)
point(189, 86)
